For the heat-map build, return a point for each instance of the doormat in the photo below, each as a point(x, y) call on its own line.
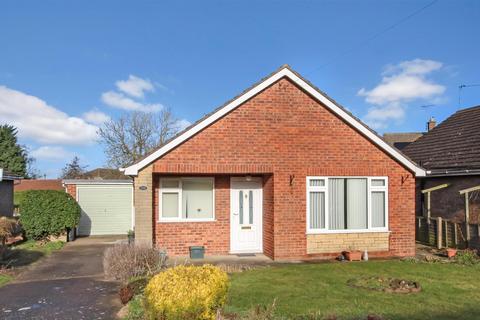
point(246, 255)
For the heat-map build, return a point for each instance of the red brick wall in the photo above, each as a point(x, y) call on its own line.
point(38, 184)
point(268, 216)
point(72, 190)
point(285, 132)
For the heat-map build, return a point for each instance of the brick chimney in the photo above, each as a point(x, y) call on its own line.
point(431, 123)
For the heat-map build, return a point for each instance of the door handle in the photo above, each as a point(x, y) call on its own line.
point(235, 214)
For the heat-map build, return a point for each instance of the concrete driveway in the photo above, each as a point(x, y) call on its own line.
point(68, 284)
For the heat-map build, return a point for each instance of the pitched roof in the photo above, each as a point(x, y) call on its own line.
point(283, 72)
point(103, 173)
point(400, 140)
point(453, 144)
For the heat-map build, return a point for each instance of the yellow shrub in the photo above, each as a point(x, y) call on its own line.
point(186, 292)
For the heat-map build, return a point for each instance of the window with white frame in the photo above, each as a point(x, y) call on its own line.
point(186, 199)
point(341, 204)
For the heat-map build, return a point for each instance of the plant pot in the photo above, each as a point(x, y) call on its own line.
point(451, 252)
point(353, 255)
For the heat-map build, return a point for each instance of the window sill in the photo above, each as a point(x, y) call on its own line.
point(184, 220)
point(347, 231)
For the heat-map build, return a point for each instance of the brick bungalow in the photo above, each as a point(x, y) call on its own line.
point(282, 170)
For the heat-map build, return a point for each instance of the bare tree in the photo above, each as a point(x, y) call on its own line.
point(134, 134)
point(73, 170)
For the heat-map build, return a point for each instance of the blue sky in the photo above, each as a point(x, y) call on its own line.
point(67, 65)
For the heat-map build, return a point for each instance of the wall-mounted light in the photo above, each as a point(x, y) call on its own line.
point(292, 179)
point(248, 178)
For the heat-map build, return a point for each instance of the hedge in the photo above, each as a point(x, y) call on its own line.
point(48, 212)
point(18, 197)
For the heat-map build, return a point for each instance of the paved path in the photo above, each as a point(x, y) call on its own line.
point(68, 284)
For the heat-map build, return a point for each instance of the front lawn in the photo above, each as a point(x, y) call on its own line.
point(449, 291)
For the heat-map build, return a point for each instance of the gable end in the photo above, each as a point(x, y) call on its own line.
point(283, 72)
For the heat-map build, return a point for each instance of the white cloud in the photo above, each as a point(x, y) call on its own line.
point(378, 117)
point(135, 86)
point(96, 117)
point(52, 153)
point(37, 120)
point(183, 124)
point(400, 85)
point(119, 100)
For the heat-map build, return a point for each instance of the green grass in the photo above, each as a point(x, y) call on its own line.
point(45, 248)
point(449, 291)
point(136, 309)
point(4, 279)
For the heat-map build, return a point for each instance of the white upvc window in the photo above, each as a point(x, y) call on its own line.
point(187, 199)
point(347, 204)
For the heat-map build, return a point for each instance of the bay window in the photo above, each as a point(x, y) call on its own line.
point(347, 204)
point(186, 199)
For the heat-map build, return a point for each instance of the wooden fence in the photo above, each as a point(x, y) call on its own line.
point(444, 233)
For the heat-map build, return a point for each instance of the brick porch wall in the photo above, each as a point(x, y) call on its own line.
point(143, 203)
point(284, 131)
point(268, 217)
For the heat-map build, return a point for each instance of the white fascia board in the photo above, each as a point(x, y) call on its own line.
point(285, 72)
point(96, 182)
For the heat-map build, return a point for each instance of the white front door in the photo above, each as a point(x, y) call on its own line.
point(246, 215)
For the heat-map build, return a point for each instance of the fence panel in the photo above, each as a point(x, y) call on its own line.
point(448, 234)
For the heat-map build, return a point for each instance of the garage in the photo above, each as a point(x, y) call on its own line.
point(107, 206)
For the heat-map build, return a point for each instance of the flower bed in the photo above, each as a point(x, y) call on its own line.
point(390, 285)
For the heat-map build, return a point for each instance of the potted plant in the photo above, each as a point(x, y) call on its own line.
point(131, 236)
point(353, 254)
point(451, 252)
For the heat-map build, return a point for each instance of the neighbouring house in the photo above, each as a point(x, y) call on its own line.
point(400, 140)
point(104, 174)
point(283, 170)
point(107, 205)
point(450, 153)
point(38, 184)
point(7, 181)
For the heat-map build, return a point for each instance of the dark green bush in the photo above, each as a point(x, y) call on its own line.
point(48, 212)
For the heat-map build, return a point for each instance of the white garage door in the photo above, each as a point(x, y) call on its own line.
point(106, 209)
